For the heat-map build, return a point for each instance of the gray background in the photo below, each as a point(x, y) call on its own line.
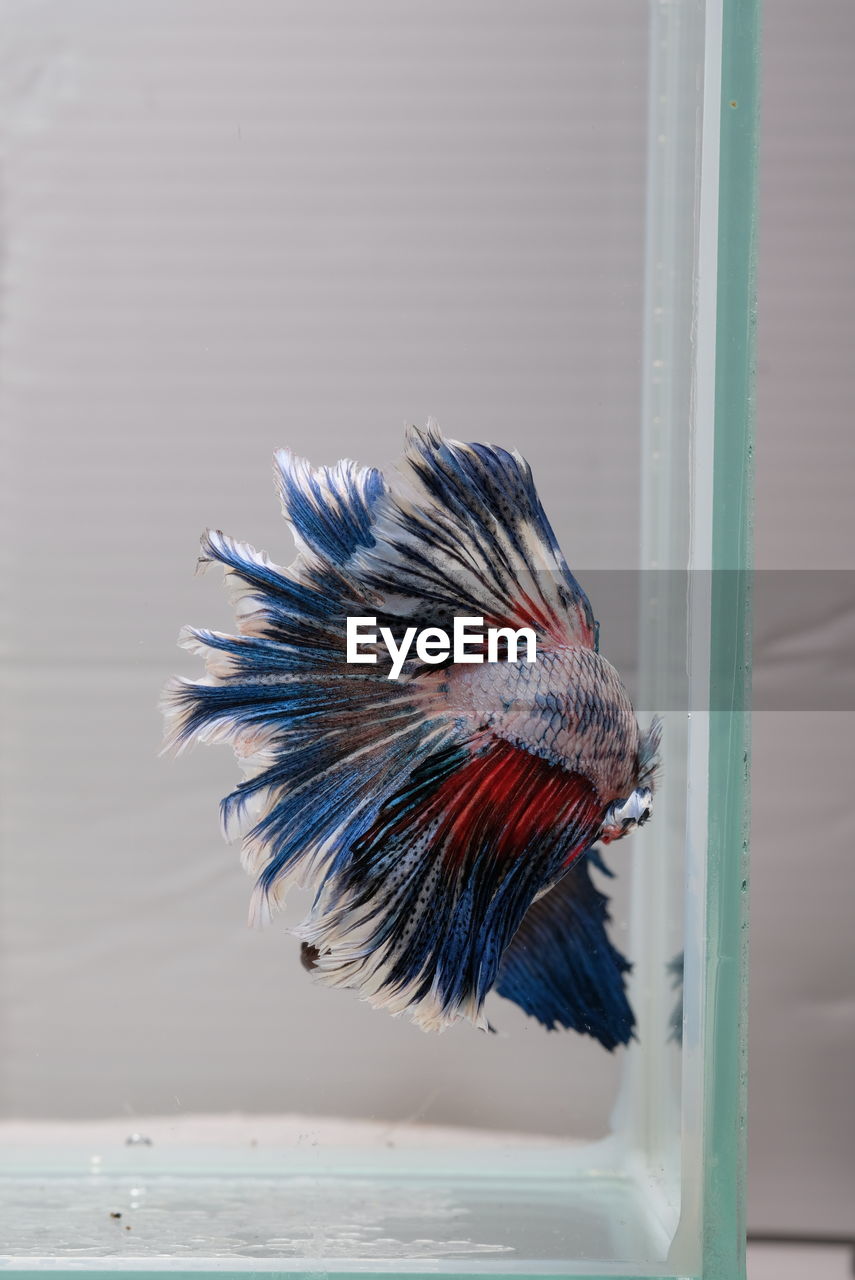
point(186, 285)
point(231, 227)
point(802, 1010)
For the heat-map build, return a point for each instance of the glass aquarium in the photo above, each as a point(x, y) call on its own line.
point(231, 228)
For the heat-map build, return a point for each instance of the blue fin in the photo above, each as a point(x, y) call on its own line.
point(561, 967)
point(330, 509)
point(466, 533)
point(322, 744)
point(419, 917)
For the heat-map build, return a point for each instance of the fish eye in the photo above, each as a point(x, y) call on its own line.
point(643, 817)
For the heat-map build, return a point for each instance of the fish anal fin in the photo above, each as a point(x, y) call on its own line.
point(438, 886)
point(561, 967)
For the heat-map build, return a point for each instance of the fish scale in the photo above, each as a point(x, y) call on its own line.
point(590, 724)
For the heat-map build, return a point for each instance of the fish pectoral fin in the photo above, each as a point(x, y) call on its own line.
point(419, 916)
point(562, 969)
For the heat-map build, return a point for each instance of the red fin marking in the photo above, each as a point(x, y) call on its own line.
point(526, 613)
point(529, 613)
point(508, 799)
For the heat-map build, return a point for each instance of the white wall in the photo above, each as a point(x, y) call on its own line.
point(802, 1013)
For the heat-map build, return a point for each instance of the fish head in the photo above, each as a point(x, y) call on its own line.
point(623, 816)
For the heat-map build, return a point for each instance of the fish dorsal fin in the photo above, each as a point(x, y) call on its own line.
point(464, 532)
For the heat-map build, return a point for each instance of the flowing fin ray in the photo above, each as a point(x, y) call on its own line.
point(466, 533)
point(562, 969)
point(436, 889)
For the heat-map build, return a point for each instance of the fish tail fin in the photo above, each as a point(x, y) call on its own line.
point(330, 509)
point(322, 743)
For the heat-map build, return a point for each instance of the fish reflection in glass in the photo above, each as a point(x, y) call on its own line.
point(445, 819)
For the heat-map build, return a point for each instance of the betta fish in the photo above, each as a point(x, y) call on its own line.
point(444, 820)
